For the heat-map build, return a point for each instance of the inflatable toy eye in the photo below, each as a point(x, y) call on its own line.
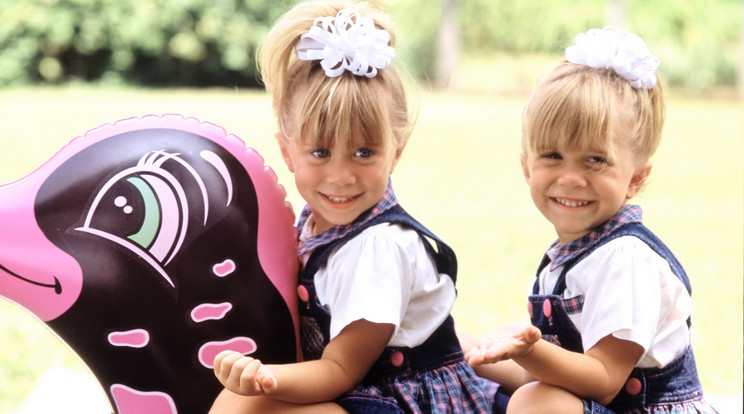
point(148, 246)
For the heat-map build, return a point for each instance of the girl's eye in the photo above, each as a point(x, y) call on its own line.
point(597, 162)
point(320, 153)
point(551, 155)
point(363, 153)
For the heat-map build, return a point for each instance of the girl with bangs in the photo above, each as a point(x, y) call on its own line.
point(376, 287)
point(610, 306)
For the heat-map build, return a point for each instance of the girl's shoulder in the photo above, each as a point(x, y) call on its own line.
point(624, 251)
point(385, 236)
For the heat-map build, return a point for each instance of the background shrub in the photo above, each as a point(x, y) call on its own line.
point(212, 42)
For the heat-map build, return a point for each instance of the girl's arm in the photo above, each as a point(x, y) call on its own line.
point(598, 374)
point(492, 361)
point(344, 363)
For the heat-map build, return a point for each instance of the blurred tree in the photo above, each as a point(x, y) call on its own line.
point(212, 42)
point(148, 42)
point(616, 13)
point(448, 45)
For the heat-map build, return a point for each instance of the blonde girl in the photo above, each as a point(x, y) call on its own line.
point(610, 300)
point(376, 287)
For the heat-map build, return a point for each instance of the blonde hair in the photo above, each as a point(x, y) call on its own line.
point(583, 107)
point(323, 109)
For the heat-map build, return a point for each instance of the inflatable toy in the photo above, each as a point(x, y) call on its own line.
point(148, 246)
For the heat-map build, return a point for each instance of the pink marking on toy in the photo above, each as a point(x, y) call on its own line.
point(135, 338)
point(223, 269)
point(210, 311)
point(209, 351)
point(131, 401)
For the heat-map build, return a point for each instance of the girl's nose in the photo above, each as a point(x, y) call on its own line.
point(341, 172)
point(572, 176)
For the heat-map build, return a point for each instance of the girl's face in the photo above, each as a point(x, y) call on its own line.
point(578, 190)
point(341, 182)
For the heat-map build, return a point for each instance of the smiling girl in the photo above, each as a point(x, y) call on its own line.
point(611, 302)
point(376, 287)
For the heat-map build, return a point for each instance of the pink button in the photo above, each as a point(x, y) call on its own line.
point(302, 293)
point(547, 308)
point(397, 358)
point(633, 386)
point(529, 309)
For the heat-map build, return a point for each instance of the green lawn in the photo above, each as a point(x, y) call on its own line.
point(460, 176)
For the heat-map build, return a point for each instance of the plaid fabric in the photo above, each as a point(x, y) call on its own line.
point(573, 305)
point(452, 388)
point(560, 255)
point(336, 232)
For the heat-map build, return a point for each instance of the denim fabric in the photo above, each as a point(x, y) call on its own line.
point(430, 378)
point(671, 389)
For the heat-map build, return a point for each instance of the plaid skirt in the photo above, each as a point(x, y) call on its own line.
point(447, 385)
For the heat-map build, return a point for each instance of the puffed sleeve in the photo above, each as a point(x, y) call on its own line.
point(369, 277)
point(629, 292)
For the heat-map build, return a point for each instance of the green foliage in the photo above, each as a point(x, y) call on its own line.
point(212, 42)
point(697, 41)
point(151, 42)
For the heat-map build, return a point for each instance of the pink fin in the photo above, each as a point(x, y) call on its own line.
point(240, 344)
point(131, 401)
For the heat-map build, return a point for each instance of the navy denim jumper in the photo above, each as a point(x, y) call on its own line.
point(647, 389)
point(441, 348)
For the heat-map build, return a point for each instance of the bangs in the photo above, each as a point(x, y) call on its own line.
point(570, 110)
point(344, 108)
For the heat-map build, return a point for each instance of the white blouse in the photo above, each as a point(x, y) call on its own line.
point(629, 292)
point(384, 275)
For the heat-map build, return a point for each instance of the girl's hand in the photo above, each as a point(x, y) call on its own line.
point(505, 342)
point(244, 375)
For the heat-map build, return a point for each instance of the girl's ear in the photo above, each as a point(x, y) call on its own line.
point(525, 166)
point(638, 180)
point(395, 159)
point(283, 147)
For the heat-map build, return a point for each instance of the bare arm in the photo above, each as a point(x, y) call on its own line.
point(598, 374)
point(499, 368)
point(344, 363)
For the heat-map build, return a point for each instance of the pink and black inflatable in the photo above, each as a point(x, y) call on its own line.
point(148, 246)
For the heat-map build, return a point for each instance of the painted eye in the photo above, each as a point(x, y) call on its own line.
point(145, 209)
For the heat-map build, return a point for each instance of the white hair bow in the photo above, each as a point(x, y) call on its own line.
point(622, 51)
point(346, 42)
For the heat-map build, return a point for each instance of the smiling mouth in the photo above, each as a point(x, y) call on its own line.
point(341, 200)
point(571, 203)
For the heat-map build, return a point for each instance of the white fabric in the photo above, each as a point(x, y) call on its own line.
point(384, 275)
point(629, 292)
point(346, 41)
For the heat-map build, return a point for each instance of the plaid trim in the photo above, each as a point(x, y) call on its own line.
point(561, 254)
point(573, 305)
point(337, 232)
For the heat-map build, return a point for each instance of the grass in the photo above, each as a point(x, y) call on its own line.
point(460, 176)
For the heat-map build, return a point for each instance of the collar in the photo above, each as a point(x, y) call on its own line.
point(562, 254)
point(337, 232)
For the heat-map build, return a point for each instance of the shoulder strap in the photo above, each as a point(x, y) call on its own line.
point(443, 255)
point(631, 229)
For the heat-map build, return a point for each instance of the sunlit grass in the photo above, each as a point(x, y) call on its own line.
point(460, 176)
